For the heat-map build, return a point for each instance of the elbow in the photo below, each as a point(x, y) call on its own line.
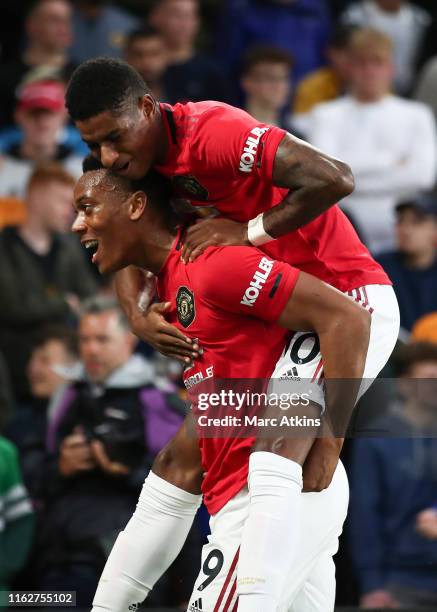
point(343, 181)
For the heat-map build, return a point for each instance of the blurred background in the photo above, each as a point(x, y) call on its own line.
point(357, 79)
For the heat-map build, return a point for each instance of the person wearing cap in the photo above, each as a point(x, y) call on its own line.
point(41, 115)
point(413, 265)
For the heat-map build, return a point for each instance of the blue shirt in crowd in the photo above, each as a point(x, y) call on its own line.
point(392, 480)
point(415, 289)
point(301, 27)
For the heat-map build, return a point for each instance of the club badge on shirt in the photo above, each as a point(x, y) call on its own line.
point(185, 306)
point(188, 185)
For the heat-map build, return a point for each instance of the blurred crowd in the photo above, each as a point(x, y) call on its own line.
point(84, 407)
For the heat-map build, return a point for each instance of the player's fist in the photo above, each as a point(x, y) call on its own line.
point(152, 327)
point(426, 523)
point(378, 599)
point(320, 464)
point(212, 232)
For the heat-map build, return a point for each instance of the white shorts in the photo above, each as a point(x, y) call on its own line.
point(301, 361)
point(310, 582)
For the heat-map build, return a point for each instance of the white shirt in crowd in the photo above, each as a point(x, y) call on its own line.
point(14, 173)
point(391, 146)
point(426, 89)
point(406, 28)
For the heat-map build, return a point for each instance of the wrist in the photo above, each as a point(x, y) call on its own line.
point(256, 234)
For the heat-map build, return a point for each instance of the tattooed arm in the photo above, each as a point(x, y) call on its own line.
point(316, 182)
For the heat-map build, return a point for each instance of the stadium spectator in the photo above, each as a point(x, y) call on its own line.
point(145, 50)
point(390, 143)
point(100, 28)
point(16, 520)
point(266, 82)
point(404, 22)
point(328, 82)
point(300, 27)
point(393, 480)
point(190, 75)
point(413, 265)
point(41, 115)
point(48, 36)
point(425, 329)
point(426, 90)
point(54, 350)
point(43, 272)
point(104, 433)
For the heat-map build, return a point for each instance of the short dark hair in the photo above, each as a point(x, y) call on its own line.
point(263, 53)
point(408, 355)
point(103, 84)
point(65, 335)
point(153, 184)
point(146, 31)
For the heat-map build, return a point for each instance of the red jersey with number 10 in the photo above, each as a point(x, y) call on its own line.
point(222, 158)
point(229, 299)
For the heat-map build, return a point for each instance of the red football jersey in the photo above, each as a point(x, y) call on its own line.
point(229, 299)
point(222, 158)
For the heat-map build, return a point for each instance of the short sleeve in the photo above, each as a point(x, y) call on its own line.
point(243, 280)
point(237, 145)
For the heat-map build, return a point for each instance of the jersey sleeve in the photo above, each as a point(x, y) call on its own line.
point(237, 145)
point(243, 280)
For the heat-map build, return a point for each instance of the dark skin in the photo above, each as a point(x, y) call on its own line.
point(130, 232)
point(132, 141)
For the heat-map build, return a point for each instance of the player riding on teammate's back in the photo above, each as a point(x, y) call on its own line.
point(278, 191)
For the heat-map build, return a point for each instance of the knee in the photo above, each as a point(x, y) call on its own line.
point(164, 461)
point(170, 466)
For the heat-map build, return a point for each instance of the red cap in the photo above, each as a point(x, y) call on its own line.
point(48, 95)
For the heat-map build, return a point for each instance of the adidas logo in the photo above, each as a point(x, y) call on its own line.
point(196, 606)
point(290, 375)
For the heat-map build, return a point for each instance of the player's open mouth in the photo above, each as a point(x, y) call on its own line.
point(92, 248)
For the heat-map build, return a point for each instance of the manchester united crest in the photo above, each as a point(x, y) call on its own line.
point(187, 185)
point(185, 306)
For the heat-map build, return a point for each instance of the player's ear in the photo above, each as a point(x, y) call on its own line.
point(147, 105)
point(137, 205)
